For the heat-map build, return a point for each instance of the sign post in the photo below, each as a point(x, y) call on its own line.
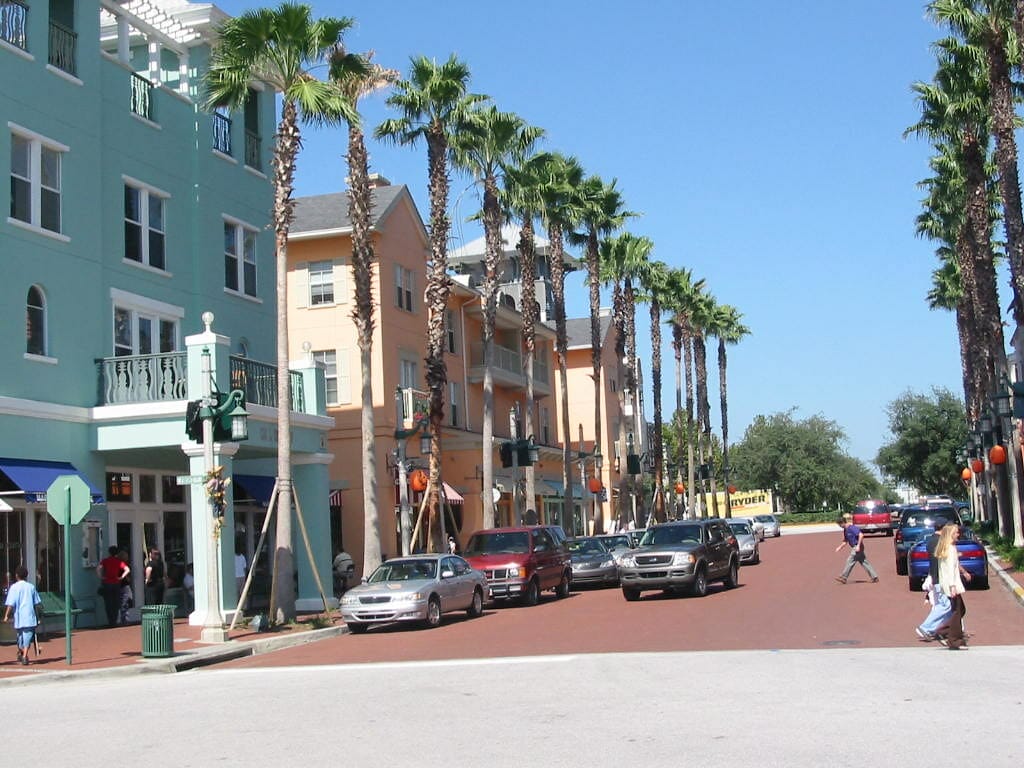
point(68, 500)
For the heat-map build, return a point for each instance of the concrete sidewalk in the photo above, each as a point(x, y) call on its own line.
point(118, 650)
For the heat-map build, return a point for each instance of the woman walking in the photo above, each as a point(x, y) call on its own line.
point(951, 584)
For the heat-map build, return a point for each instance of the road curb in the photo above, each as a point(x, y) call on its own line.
point(1015, 589)
point(183, 661)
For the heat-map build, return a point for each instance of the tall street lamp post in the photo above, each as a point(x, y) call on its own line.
point(517, 452)
point(402, 463)
point(582, 457)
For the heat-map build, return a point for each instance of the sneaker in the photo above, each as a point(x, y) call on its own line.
point(926, 636)
point(21, 656)
point(841, 579)
point(24, 661)
point(874, 580)
point(944, 642)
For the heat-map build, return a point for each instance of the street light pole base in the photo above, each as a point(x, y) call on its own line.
point(214, 635)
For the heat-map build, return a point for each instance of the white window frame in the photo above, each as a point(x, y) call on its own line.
point(408, 363)
point(451, 333)
point(146, 192)
point(241, 258)
point(329, 359)
point(146, 308)
point(35, 174)
point(405, 288)
point(43, 321)
point(321, 277)
point(454, 395)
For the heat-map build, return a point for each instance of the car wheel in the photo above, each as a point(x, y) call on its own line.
point(476, 608)
point(532, 594)
point(914, 584)
point(979, 582)
point(562, 590)
point(631, 595)
point(699, 588)
point(901, 567)
point(357, 629)
point(757, 556)
point(433, 612)
point(732, 578)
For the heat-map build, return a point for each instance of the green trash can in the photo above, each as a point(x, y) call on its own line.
point(157, 631)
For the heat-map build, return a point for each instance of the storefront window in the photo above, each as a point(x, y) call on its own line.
point(176, 553)
point(172, 492)
point(12, 534)
point(147, 488)
point(49, 553)
point(119, 486)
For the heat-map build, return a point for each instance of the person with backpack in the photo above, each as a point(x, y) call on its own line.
point(853, 538)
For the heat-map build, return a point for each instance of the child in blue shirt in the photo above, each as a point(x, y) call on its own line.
point(23, 598)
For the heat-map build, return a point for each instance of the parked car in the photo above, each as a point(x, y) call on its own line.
point(916, 523)
point(771, 524)
point(636, 536)
point(521, 562)
point(616, 543)
point(973, 558)
point(746, 540)
point(873, 516)
point(592, 562)
point(415, 588)
point(756, 527)
point(681, 555)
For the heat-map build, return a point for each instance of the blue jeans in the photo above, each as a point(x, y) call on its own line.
point(25, 636)
point(939, 614)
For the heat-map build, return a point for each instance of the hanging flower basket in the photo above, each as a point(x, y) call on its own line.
point(217, 492)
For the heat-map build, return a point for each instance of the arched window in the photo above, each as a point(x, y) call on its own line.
point(35, 322)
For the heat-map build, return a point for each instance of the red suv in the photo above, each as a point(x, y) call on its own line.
point(520, 562)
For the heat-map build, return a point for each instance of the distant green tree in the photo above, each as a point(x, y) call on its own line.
point(928, 432)
point(803, 462)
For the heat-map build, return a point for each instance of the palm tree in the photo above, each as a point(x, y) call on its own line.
point(603, 213)
point(434, 106)
point(728, 327)
point(682, 293)
point(559, 179)
point(278, 47)
point(493, 143)
point(357, 76)
point(700, 319)
point(656, 285)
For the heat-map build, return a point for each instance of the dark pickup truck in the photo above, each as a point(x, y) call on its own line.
point(873, 516)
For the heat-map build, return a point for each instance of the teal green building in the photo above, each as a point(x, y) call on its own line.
point(130, 212)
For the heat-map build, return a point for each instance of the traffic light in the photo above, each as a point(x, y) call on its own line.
point(633, 464)
point(228, 415)
point(194, 420)
point(505, 451)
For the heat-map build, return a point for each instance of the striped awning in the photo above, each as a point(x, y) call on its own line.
point(453, 496)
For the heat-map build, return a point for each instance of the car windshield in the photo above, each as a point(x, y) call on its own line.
point(740, 528)
point(586, 547)
point(612, 542)
point(917, 518)
point(499, 543)
point(670, 535)
point(404, 570)
point(765, 519)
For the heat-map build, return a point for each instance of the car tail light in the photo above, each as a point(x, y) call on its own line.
point(899, 537)
point(972, 552)
point(915, 555)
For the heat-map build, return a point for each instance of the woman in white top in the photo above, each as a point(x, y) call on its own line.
point(950, 583)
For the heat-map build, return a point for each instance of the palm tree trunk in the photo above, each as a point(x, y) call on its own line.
point(724, 405)
point(691, 491)
point(677, 417)
point(492, 240)
point(629, 327)
point(700, 353)
point(656, 442)
point(528, 259)
point(561, 345)
point(362, 315)
point(288, 141)
point(438, 288)
point(595, 359)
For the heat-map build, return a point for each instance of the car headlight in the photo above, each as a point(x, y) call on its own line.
point(608, 563)
point(349, 600)
point(683, 558)
point(516, 572)
point(628, 562)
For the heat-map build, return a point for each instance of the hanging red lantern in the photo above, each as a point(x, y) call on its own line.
point(680, 488)
point(594, 485)
point(418, 480)
point(732, 489)
point(965, 475)
point(977, 466)
point(997, 454)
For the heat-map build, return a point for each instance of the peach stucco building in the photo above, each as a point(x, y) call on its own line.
point(321, 300)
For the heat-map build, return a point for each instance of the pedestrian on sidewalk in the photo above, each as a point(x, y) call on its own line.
point(941, 610)
point(951, 583)
point(112, 570)
point(154, 589)
point(23, 598)
point(126, 598)
point(240, 567)
point(853, 539)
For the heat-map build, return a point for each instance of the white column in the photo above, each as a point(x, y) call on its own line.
point(183, 81)
point(122, 39)
point(154, 62)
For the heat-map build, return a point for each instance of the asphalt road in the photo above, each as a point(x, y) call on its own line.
point(790, 669)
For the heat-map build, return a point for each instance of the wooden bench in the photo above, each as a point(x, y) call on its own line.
point(53, 605)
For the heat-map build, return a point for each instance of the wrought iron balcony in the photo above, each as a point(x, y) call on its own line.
point(142, 96)
point(14, 23)
point(253, 151)
point(163, 376)
point(221, 133)
point(63, 42)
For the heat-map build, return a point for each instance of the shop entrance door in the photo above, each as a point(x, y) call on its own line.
point(135, 532)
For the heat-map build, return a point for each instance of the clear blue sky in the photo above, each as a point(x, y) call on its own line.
point(761, 141)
